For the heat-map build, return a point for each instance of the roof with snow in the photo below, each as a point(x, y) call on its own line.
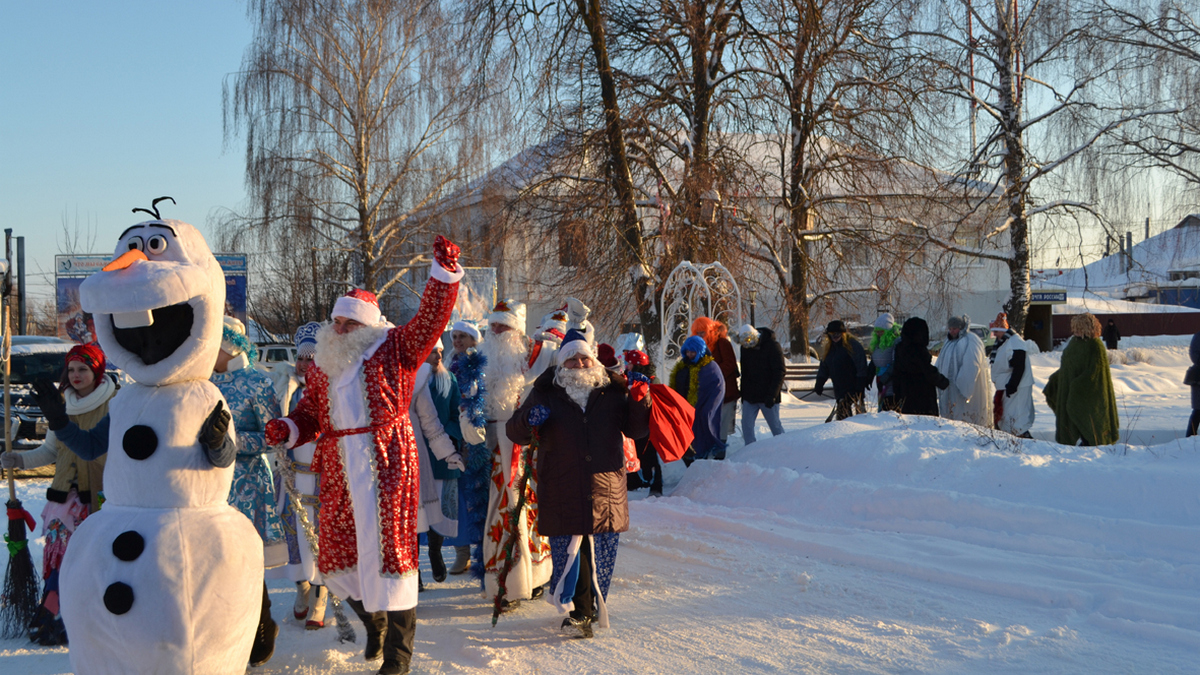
point(1152, 262)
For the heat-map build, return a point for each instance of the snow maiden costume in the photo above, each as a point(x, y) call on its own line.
point(253, 403)
point(167, 577)
point(311, 596)
point(467, 368)
point(357, 400)
point(76, 489)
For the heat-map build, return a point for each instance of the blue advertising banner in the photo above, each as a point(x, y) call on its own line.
point(70, 270)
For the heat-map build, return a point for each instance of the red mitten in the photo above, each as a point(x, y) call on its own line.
point(277, 432)
point(638, 390)
point(446, 253)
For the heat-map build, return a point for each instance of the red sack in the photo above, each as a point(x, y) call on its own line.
point(671, 418)
point(632, 464)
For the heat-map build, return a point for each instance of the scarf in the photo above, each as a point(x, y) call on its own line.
point(693, 392)
point(77, 405)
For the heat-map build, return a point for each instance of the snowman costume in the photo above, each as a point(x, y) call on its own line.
point(166, 578)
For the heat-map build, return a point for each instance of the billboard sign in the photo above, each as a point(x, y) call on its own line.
point(78, 326)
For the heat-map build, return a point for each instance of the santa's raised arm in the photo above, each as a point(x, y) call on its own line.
point(356, 406)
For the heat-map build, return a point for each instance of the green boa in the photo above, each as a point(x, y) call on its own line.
point(885, 338)
point(693, 393)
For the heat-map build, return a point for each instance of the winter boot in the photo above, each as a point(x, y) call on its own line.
point(462, 560)
point(436, 562)
point(318, 596)
point(577, 628)
point(300, 607)
point(376, 624)
point(264, 638)
point(398, 645)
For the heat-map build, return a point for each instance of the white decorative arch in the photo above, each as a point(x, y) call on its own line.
point(692, 291)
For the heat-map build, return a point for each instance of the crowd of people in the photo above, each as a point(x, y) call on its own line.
point(517, 447)
point(988, 386)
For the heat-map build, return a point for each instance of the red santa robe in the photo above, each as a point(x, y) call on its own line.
point(531, 564)
point(367, 458)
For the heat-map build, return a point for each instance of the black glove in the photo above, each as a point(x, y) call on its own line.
point(1010, 389)
point(213, 437)
point(51, 403)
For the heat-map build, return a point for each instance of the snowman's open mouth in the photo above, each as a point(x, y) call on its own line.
point(171, 328)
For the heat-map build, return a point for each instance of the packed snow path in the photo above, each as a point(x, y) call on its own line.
point(882, 544)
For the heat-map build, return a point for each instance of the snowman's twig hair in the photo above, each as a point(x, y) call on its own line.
point(154, 205)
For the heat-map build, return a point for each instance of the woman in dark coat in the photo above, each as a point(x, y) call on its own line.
point(582, 416)
point(917, 379)
point(1192, 379)
point(845, 363)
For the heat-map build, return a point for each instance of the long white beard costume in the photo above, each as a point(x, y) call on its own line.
point(969, 396)
point(509, 375)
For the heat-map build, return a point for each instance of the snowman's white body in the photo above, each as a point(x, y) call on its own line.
point(167, 577)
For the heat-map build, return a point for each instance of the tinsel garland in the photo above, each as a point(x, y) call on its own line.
point(241, 342)
point(693, 392)
point(472, 387)
point(513, 519)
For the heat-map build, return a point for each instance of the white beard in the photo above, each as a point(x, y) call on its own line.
point(337, 353)
point(579, 382)
point(507, 358)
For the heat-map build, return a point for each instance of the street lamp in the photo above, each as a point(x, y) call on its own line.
point(753, 294)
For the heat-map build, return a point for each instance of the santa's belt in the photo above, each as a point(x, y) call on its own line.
point(338, 433)
point(303, 468)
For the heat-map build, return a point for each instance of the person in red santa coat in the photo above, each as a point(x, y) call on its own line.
point(356, 402)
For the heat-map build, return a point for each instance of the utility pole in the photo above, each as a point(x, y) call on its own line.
point(21, 314)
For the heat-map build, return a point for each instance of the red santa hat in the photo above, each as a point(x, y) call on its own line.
point(359, 305)
point(509, 312)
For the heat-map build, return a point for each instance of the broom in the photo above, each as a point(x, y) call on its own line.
point(19, 599)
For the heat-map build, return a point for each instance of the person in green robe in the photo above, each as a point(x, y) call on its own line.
point(1080, 392)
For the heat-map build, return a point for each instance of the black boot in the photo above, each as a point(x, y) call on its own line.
point(376, 625)
point(264, 639)
point(398, 645)
point(436, 562)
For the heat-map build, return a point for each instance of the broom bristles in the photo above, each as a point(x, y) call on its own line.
point(19, 600)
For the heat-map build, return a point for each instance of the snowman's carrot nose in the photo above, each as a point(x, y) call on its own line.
point(125, 260)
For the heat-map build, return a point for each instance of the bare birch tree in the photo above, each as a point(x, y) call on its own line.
point(1030, 75)
point(356, 116)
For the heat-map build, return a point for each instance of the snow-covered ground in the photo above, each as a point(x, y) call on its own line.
point(882, 544)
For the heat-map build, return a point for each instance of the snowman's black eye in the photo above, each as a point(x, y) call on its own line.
point(135, 244)
point(156, 244)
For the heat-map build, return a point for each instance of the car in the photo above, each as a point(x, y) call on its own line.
point(275, 353)
point(979, 329)
point(861, 332)
point(33, 357)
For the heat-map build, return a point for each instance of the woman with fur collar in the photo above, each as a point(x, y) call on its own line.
point(76, 490)
point(252, 403)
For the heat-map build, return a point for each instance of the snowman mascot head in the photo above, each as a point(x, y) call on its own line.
point(158, 305)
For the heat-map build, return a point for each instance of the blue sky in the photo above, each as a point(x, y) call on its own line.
point(105, 106)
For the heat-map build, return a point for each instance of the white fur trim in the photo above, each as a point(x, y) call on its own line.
point(359, 310)
point(444, 275)
point(574, 347)
point(293, 432)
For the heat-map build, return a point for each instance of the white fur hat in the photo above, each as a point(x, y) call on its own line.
point(510, 313)
point(574, 343)
point(468, 327)
point(359, 305)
